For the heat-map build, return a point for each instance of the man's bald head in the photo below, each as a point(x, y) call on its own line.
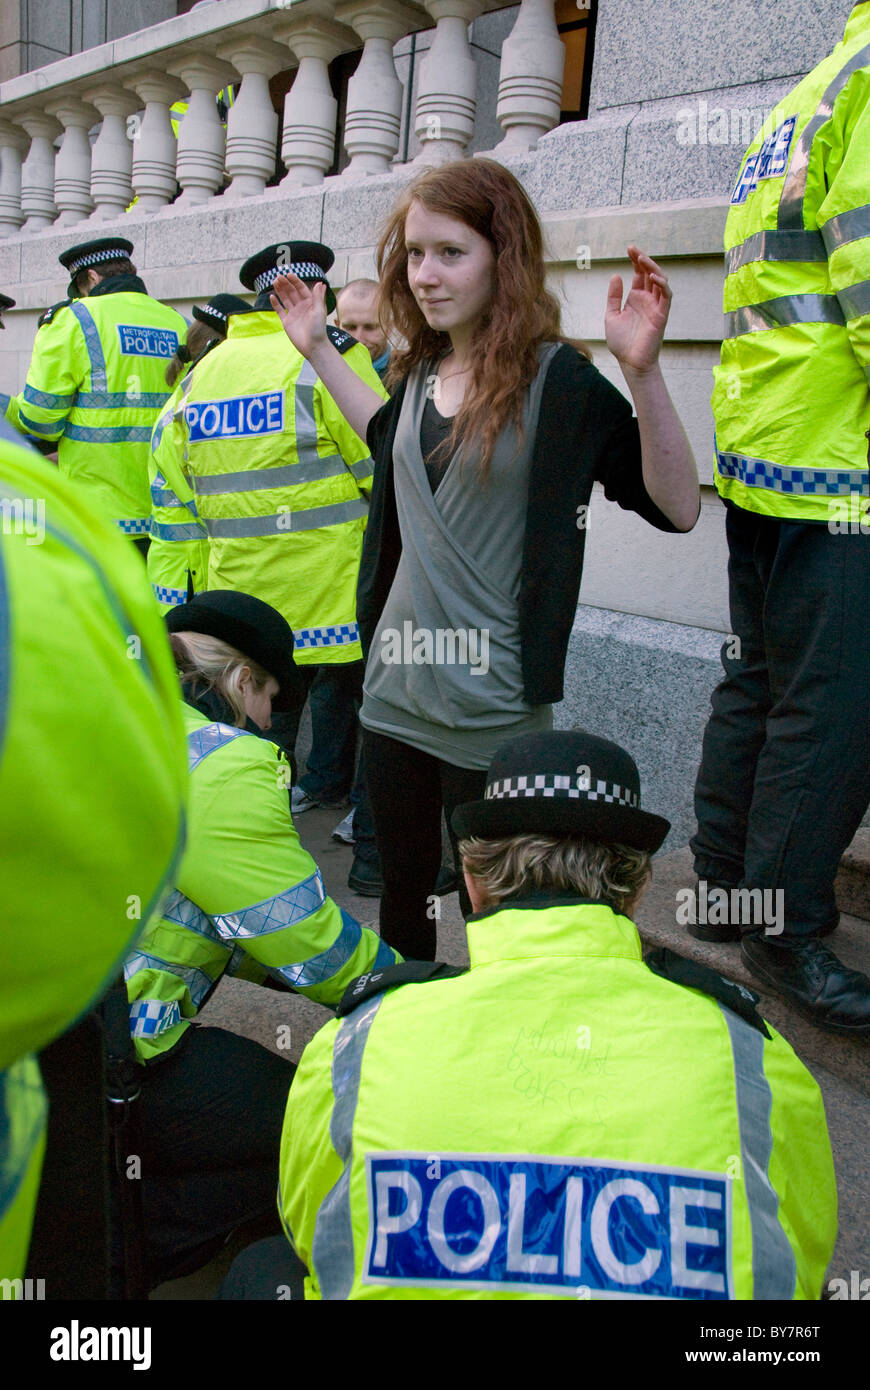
point(357, 313)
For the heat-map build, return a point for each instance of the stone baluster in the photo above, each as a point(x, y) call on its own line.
point(112, 155)
point(447, 93)
point(13, 143)
point(530, 78)
point(252, 124)
point(154, 144)
point(374, 96)
point(310, 109)
point(37, 173)
point(201, 137)
point(72, 167)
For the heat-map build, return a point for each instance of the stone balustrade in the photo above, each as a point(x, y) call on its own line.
point(80, 138)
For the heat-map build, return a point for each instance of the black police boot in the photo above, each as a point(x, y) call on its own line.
point(706, 931)
point(817, 983)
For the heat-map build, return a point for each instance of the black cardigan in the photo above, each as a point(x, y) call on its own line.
point(586, 433)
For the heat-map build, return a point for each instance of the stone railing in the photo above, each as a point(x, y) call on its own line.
point(124, 91)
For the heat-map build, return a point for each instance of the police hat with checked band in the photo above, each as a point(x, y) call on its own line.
point(253, 627)
point(93, 253)
point(5, 303)
point(308, 260)
point(562, 783)
point(216, 313)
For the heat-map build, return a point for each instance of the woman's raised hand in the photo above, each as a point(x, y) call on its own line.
point(302, 311)
point(634, 330)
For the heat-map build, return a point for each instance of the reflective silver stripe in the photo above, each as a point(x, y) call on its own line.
point(121, 400)
point(787, 309)
point(855, 300)
point(93, 345)
point(197, 981)
point(791, 202)
point(284, 522)
point(276, 913)
point(846, 227)
point(776, 246)
point(305, 423)
point(207, 739)
point(364, 469)
point(183, 531)
point(287, 475)
point(322, 967)
point(46, 400)
point(774, 1273)
point(332, 1252)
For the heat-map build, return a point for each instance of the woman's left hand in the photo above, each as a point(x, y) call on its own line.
point(635, 330)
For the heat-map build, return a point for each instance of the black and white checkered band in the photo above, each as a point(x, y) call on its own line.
point(306, 270)
point(560, 784)
point(94, 258)
point(214, 313)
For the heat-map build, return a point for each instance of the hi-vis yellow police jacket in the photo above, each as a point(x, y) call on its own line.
point(792, 394)
point(556, 1122)
point(96, 382)
point(178, 554)
point(280, 481)
point(248, 900)
point(93, 789)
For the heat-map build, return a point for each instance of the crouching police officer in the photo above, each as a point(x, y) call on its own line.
point(247, 901)
point(564, 1117)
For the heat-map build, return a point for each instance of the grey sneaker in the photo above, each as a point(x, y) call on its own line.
point(343, 832)
point(300, 801)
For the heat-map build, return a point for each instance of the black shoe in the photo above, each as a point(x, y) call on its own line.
point(817, 983)
point(447, 881)
point(365, 878)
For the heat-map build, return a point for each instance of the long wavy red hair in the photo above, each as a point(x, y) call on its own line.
point(522, 312)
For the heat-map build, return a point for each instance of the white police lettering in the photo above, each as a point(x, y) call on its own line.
point(770, 162)
point(139, 341)
point(518, 1222)
point(236, 417)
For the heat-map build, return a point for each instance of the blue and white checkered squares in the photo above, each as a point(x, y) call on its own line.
point(150, 1017)
point(136, 527)
point(172, 597)
point(341, 635)
point(560, 784)
point(803, 482)
point(305, 270)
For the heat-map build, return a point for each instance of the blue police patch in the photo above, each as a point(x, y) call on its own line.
point(523, 1222)
point(240, 415)
point(139, 341)
point(770, 162)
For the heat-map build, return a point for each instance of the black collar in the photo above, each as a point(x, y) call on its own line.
point(119, 284)
point(534, 902)
point(213, 705)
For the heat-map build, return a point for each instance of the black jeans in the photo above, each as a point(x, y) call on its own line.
point(407, 790)
point(210, 1119)
point(785, 769)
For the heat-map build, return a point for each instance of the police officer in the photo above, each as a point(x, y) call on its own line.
point(93, 785)
point(562, 1117)
point(96, 381)
point(279, 477)
point(178, 553)
point(784, 778)
point(247, 901)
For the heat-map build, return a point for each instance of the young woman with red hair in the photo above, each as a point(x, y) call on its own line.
point(485, 457)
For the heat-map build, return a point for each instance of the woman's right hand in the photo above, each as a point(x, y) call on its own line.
point(302, 311)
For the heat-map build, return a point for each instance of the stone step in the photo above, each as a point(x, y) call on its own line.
point(852, 884)
point(848, 1058)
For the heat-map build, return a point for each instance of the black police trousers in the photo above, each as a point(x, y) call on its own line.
point(785, 770)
